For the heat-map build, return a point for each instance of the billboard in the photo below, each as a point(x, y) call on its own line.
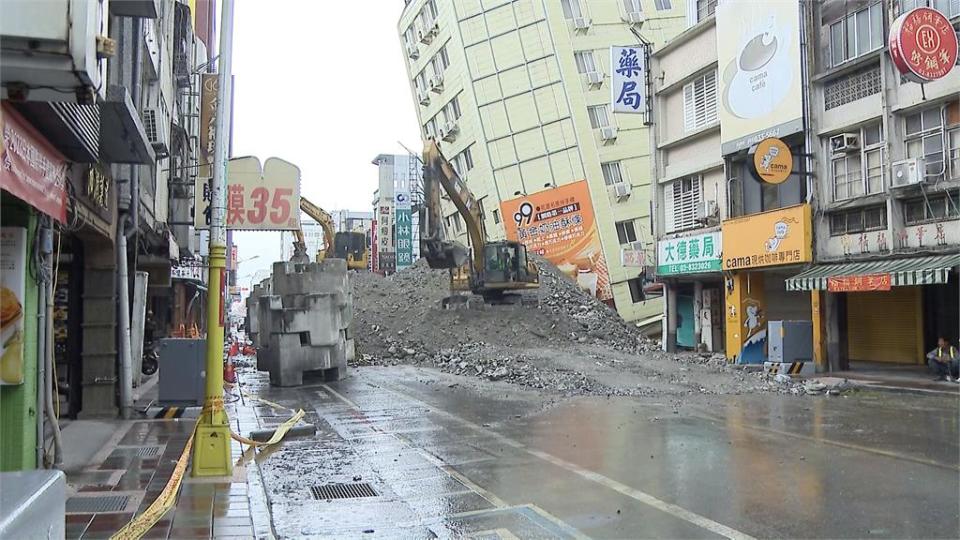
point(760, 86)
point(259, 198)
point(13, 288)
point(559, 224)
point(628, 80)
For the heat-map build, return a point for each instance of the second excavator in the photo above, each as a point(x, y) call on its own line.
point(492, 269)
point(351, 246)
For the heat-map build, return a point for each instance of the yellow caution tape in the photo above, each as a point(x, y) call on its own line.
point(142, 523)
point(164, 502)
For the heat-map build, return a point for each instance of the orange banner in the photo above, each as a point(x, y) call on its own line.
point(559, 224)
point(869, 282)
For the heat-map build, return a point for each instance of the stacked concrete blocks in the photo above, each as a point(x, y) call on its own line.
point(303, 322)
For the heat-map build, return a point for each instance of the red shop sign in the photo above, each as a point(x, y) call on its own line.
point(923, 44)
point(30, 168)
point(870, 282)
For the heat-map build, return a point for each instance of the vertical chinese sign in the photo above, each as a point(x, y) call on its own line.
point(208, 131)
point(559, 224)
point(403, 215)
point(628, 80)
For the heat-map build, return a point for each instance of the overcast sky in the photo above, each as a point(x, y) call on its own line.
point(320, 84)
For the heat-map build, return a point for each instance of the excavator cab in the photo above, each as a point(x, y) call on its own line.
point(505, 268)
point(352, 247)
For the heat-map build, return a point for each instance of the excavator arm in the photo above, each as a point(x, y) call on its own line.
point(326, 223)
point(439, 173)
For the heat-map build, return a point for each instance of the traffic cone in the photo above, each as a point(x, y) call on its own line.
point(229, 372)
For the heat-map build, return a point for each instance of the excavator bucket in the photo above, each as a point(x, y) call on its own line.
point(441, 254)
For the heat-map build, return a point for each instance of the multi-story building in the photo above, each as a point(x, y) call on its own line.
point(834, 177)
point(518, 94)
point(312, 236)
point(887, 183)
point(689, 193)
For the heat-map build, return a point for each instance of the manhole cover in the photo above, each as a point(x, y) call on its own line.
point(136, 451)
point(342, 491)
point(98, 504)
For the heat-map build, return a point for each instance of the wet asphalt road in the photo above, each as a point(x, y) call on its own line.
point(453, 457)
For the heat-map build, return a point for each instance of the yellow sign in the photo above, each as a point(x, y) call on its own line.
point(773, 161)
point(772, 238)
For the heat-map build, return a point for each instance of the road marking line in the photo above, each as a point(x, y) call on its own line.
point(636, 494)
point(340, 396)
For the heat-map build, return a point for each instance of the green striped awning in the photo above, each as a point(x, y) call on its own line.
point(912, 271)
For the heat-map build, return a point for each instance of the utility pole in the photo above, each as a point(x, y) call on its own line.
point(211, 450)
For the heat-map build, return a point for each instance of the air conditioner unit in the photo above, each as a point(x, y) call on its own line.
point(413, 51)
point(907, 172)
point(635, 17)
point(594, 77)
point(706, 209)
point(424, 97)
point(425, 36)
point(436, 83)
point(608, 133)
point(452, 126)
point(434, 27)
point(581, 23)
point(844, 143)
point(449, 131)
point(620, 190)
point(153, 124)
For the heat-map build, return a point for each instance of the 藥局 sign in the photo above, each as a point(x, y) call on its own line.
point(760, 88)
point(689, 254)
point(628, 79)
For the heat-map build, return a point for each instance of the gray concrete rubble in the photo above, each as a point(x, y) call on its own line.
point(302, 321)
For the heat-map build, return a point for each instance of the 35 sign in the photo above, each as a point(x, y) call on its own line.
point(258, 198)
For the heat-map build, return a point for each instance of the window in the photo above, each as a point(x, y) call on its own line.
point(861, 172)
point(636, 289)
point(700, 102)
point(924, 139)
point(856, 34)
point(410, 36)
point(422, 81)
point(632, 6)
point(598, 116)
point(443, 58)
point(949, 8)
point(585, 63)
point(451, 111)
point(611, 173)
point(496, 217)
point(571, 9)
point(662, 5)
point(705, 8)
point(431, 9)
point(858, 221)
point(932, 208)
point(684, 197)
point(457, 224)
point(431, 127)
point(467, 159)
point(953, 143)
point(626, 233)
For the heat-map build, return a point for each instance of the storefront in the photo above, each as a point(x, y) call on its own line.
point(689, 268)
point(889, 311)
point(761, 252)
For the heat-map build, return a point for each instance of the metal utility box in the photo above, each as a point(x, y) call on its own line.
point(182, 372)
point(790, 341)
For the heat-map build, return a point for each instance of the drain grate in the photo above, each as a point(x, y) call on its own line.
point(342, 491)
point(136, 451)
point(98, 504)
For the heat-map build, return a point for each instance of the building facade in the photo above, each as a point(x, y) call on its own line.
point(518, 94)
point(832, 175)
point(400, 178)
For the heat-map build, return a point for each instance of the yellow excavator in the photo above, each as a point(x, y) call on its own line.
point(351, 246)
point(492, 269)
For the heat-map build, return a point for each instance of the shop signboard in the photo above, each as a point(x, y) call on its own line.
point(689, 254)
point(759, 84)
point(209, 86)
point(772, 238)
point(864, 283)
point(404, 230)
point(628, 82)
point(188, 270)
point(923, 45)
point(259, 198)
point(30, 168)
point(772, 161)
point(559, 224)
point(13, 280)
point(374, 247)
point(403, 213)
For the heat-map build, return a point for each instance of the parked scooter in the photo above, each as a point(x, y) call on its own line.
point(151, 358)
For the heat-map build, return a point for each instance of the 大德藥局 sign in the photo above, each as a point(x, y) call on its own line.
point(559, 224)
point(628, 82)
point(259, 198)
point(689, 254)
point(923, 45)
point(768, 239)
point(760, 91)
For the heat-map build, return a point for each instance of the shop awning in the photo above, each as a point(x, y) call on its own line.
point(913, 271)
